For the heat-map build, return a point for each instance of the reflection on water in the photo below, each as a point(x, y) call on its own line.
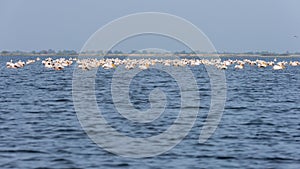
point(259, 128)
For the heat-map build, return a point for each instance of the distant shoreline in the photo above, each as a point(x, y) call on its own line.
point(159, 55)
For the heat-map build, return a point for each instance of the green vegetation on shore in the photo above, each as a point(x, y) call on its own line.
point(51, 52)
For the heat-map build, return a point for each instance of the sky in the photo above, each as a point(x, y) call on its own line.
point(231, 25)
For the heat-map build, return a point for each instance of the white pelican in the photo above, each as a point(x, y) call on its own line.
point(109, 65)
point(278, 67)
point(48, 64)
point(241, 66)
point(19, 64)
point(10, 64)
point(29, 62)
point(262, 65)
point(293, 63)
point(222, 67)
point(58, 67)
point(129, 66)
point(144, 66)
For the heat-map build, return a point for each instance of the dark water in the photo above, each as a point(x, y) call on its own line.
point(260, 127)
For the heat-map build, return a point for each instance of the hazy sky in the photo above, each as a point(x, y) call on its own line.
point(231, 25)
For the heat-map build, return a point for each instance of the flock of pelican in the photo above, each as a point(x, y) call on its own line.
point(57, 64)
point(87, 64)
point(110, 63)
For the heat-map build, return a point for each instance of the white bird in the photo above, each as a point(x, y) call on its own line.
point(48, 64)
point(278, 67)
point(144, 66)
point(223, 67)
point(109, 65)
point(29, 62)
point(19, 64)
point(241, 66)
point(58, 66)
point(10, 64)
point(294, 63)
point(129, 66)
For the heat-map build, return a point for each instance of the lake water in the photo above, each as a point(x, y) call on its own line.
point(260, 127)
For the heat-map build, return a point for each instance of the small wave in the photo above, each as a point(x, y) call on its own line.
point(258, 121)
point(23, 151)
point(225, 157)
point(117, 165)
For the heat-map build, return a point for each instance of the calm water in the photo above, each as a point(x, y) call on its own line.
point(260, 127)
